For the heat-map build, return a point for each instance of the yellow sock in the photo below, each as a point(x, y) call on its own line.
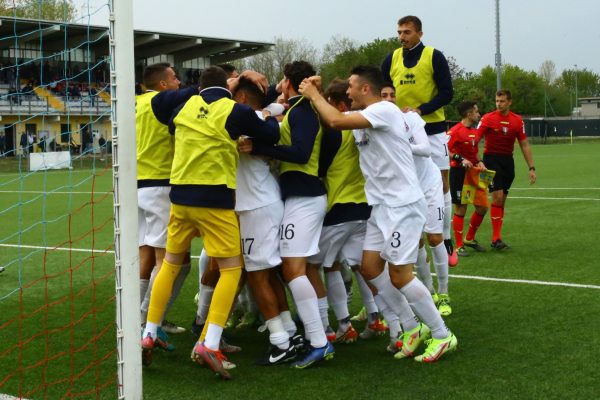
point(161, 291)
point(223, 297)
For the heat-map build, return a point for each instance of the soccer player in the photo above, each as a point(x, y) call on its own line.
point(155, 147)
point(344, 225)
point(203, 179)
point(260, 210)
point(423, 84)
point(305, 201)
point(382, 135)
point(463, 145)
point(501, 128)
point(431, 184)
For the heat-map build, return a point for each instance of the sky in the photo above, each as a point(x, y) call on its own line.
point(532, 31)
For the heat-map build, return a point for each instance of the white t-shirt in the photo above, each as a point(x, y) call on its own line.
point(427, 171)
point(256, 186)
point(386, 159)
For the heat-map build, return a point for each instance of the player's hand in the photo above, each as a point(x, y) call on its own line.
point(308, 90)
point(406, 109)
point(244, 144)
point(532, 177)
point(467, 164)
point(482, 166)
point(259, 79)
point(316, 80)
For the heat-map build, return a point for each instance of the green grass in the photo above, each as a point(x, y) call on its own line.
point(516, 340)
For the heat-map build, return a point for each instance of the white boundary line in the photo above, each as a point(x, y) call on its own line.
point(553, 198)
point(558, 188)
point(472, 277)
point(49, 193)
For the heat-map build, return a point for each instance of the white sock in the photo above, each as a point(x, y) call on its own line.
point(204, 299)
point(277, 334)
point(143, 289)
point(422, 303)
point(440, 263)
point(184, 271)
point(202, 263)
point(213, 336)
point(308, 309)
point(390, 317)
point(288, 323)
point(395, 299)
point(447, 215)
point(151, 329)
point(423, 269)
point(324, 311)
point(146, 301)
point(336, 294)
point(366, 294)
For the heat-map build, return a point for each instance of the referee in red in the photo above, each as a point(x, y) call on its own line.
point(501, 128)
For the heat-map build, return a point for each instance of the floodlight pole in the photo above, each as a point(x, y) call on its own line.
point(576, 91)
point(498, 55)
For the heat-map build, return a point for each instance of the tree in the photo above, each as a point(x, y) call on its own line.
point(548, 71)
point(51, 10)
point(271, 64)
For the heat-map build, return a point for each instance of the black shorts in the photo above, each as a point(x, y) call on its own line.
point(505, 171)
point(457, 179)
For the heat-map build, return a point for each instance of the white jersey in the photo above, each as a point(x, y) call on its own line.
point(427, 171)
point(386, 159)
point(256, 186)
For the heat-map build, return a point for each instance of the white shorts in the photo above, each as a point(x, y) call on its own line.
point(153, 215)
point(259, 230)
point(301, 226)
point(439, 150)
point(435, 209)
point(395, 231)
point(342, 242)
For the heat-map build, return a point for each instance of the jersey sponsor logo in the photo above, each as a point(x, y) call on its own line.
point(410, 79)
point(202, 113)
point(505, 130)
point(364, 139)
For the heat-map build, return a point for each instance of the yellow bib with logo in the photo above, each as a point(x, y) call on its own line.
point(345, 182)
point(154, 144)
point(415, 86)
point(205, 154)
point(312, 166)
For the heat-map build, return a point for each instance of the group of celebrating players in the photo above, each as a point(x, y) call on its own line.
point(330, 181)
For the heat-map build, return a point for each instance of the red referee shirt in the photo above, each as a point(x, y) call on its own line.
point(463, 141)
point(501, 132)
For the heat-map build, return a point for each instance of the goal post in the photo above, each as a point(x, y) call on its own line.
point(122, 85)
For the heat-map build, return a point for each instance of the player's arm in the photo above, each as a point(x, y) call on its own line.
point(526, 150)
point(443, 81)
point(244, 121)
point(329, 114)
point(419, 144)
point(164, 103)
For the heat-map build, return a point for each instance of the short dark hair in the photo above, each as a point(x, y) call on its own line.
point(154, 73)
point(387, 83)
point(257, 97)
point(504, 92)
point(297, 71)
point(372, 75)
point(465, 107)
point(213, 76)
point(336, 92)
point(228, 68)
point(411, 19)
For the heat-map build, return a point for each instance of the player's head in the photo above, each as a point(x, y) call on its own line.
point(213, 77)
point(468, 110)
point(160, 77)
point(364, 84)
point(294, 73)
point(247, 92)
point(230, 70)
point(336, 95)
point(503, 100)
point(388, 92)
point(409, 31)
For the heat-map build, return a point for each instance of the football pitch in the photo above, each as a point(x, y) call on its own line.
point(526, 319)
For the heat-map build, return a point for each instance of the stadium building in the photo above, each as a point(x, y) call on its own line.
point(55, 83)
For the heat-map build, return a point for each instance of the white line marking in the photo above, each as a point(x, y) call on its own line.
point(48, 193)
point(562, 188)
point(473, 277)
point(553, 198)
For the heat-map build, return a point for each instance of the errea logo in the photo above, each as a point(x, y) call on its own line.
point(202, 113)
point(409, 79)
